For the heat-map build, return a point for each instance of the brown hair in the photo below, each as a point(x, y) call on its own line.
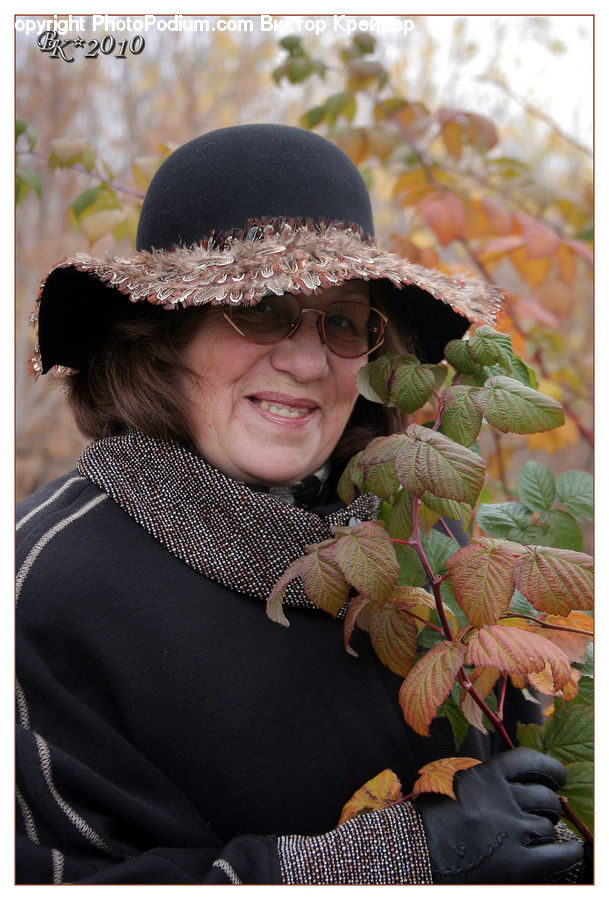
point(135, 380)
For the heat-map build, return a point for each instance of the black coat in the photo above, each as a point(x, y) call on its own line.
point(164, 718)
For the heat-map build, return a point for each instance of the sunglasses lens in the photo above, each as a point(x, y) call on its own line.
point(352, 329)
point(271, 320)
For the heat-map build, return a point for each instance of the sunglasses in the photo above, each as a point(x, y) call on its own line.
point(347, 327)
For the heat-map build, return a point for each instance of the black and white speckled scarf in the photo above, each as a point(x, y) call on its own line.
point(239, 537)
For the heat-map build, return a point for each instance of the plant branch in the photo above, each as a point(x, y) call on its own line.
point(553, 627)
point(79, 167)
point(569, 814)
point(488, 712)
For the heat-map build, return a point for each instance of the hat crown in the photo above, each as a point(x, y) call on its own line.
point(222, 182)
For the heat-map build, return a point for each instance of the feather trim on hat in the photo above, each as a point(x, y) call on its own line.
point(279, 258)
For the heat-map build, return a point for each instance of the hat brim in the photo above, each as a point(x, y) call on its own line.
point(81, 295)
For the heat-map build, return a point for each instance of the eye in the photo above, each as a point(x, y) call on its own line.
point(340, 322)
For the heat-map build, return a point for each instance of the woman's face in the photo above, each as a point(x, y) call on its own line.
point(270, 414)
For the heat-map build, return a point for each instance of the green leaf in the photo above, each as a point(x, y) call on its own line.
point(342, 103)
point(559, 530)
point(579, 791)
point(505, 520)
point(85, 200)
point(459, 724)
point(461, 417)
point(555, 580)
point(585, 691)
point(574, 490)
point(531, 736)
point(366, 557)
point(377, 465)
point(569, 733)
point(399, 521)
point(536, 486)
point(438, 549)
point(350, 479)
point(292, 44)
point(449, 509)
point(313, 117)
point(429, 461)
point(31, 178)
point(521, 606)
point(411, 571)
point(428, 684)
point(411, 383)
point(20, 127)
point(488, 347)
point(372, 380)
point(509, 405)
point(298, 69)
point(457, 354)
point(522, 372)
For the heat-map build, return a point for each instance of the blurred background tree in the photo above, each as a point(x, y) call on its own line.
point(469, 167)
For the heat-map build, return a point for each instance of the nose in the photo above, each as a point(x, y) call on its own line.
point(303, 355)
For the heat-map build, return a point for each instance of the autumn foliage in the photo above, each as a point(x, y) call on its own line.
point(456, 622)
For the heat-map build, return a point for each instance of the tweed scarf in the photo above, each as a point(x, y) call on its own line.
point(241, 538)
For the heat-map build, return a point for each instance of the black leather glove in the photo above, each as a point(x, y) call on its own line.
point(500, 830)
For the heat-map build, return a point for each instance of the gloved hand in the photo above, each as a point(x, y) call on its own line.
point(500, 830)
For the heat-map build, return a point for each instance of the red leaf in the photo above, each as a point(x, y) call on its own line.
point(539, 241)
point(482, 577)
point(555, 580)
point(445, 214)
point(428, 684)
point(516, 651)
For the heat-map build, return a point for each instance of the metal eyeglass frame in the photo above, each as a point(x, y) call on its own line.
point(320, 327)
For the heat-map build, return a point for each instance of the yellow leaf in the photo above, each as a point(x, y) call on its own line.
point(378, 793)
point(567, 263)
point(437, 777)
point(381, 143)
point(101, 223)
point(553, 441)
point(143, 168)
point(533, 271)
point(409, 181)
point(354, 144)
point(423, 238)
point(451, 135)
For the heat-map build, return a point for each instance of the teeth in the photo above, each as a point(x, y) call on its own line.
point(283, 410)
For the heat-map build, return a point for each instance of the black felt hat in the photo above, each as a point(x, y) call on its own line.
point(237, 214)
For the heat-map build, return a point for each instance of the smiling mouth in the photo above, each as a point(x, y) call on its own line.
point(280, 409)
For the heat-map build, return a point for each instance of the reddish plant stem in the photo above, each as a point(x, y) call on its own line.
point(589, 634)
point(491, 716)
point(503, 690)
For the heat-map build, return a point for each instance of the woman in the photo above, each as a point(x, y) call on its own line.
point(169, 732)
